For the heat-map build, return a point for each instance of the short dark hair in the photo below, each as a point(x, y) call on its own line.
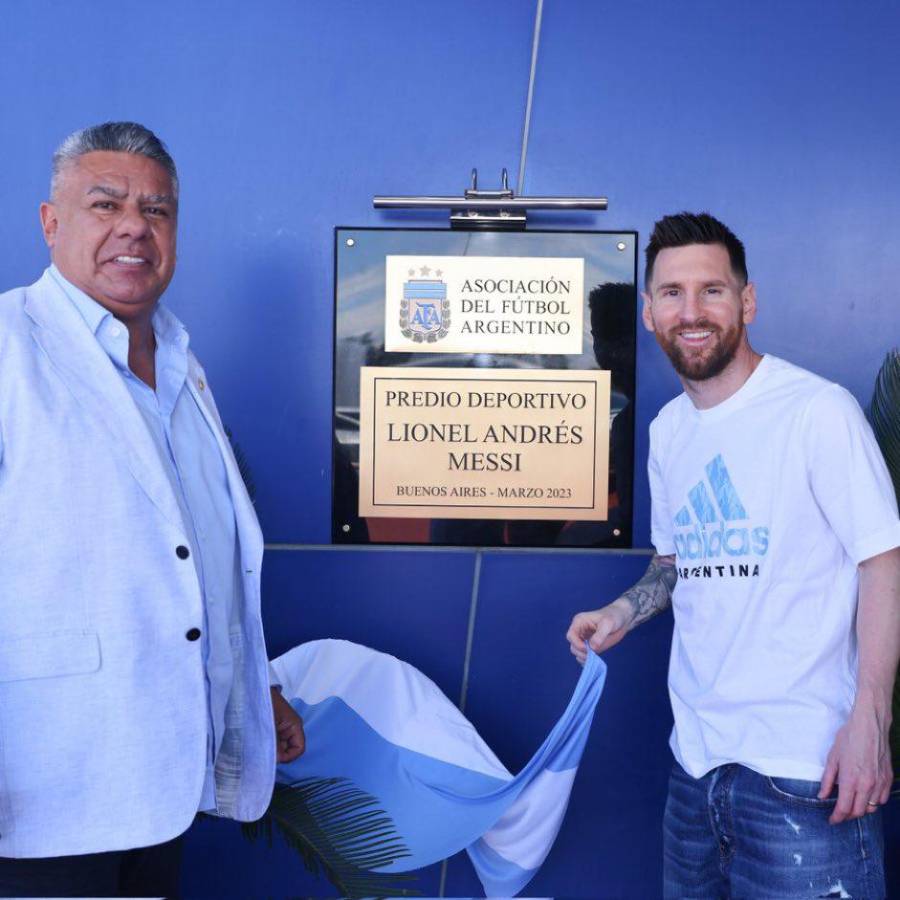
point(687, 228)
point(121, 137)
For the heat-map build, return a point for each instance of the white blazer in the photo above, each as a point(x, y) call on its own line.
point(103, 716)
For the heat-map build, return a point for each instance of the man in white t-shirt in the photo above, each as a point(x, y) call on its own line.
point(778, 546)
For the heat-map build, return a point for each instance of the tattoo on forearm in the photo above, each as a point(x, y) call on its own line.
point(653, 593)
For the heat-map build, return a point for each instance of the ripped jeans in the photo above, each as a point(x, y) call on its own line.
point(737, 834)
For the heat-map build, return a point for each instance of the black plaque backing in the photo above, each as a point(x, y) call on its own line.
point(610, 316)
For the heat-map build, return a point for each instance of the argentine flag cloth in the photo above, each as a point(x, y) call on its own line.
point(387, 728)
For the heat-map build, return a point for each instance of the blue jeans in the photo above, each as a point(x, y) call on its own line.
point(735, 833)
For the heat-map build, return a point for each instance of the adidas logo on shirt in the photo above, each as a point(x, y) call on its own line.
point(714, 526)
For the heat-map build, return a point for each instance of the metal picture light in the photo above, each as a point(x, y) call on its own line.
point(492, 209)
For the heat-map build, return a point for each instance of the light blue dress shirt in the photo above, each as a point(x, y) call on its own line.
point(193, 463)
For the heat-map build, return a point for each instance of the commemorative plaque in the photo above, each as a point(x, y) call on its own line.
point(484, 387)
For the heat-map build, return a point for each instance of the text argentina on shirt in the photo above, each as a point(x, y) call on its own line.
point(712, 529)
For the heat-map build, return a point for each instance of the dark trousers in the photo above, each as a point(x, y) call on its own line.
point(142, 872)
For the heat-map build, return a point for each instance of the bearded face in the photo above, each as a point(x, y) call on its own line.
point(698, 309)
point(714, 349)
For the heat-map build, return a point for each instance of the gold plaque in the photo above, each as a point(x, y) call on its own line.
point(484, 443)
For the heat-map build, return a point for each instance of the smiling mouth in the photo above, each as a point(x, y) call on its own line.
point(694, 337)
point(130, 260)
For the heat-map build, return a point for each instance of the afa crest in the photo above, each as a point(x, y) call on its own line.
point(424, 309)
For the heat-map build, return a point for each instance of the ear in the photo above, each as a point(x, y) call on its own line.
point(748, 302)
point(49, 223)
point(647, 312)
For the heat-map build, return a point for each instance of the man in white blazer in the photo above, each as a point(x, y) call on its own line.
point(134, 685)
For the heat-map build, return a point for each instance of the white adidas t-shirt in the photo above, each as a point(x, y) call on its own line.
point(769, 501)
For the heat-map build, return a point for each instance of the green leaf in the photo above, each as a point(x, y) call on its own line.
point(243, 465)
point(338, 829)
point(884, 414)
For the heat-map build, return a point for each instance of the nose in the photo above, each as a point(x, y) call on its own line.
point(692, 308)
point(132, 223)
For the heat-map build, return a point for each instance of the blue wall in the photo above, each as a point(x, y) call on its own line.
point(287, 116)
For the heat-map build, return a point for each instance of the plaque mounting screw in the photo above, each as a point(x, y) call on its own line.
point(345, 528)
point(350, 242)
point(620, 245)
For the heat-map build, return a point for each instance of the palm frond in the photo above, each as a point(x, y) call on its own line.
point(884, 414)
point(243, 466)
point(340, 830)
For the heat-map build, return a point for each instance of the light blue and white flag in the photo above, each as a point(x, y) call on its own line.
point(386, 728)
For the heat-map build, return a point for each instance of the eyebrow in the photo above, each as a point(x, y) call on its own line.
point(716, 282)
point(158, 198)
point(108, 191)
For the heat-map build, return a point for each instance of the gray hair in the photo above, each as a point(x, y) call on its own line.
point(119, 137)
